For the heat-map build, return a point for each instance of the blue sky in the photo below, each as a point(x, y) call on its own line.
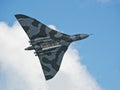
point(100, 52)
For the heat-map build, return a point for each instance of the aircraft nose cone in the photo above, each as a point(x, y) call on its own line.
point(82, 36)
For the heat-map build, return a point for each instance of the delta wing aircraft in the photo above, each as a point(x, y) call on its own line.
point(49, 45)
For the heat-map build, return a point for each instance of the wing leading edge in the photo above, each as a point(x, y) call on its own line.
point(35, 29)
point(50, 59)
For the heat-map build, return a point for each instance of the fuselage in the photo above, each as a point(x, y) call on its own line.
point(46, 43)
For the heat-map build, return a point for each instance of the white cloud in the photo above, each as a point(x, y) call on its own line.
point(20, 70)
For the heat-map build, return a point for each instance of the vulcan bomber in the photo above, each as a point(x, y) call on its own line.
point(49, 45)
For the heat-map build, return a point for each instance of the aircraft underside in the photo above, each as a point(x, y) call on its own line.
point(49, 45)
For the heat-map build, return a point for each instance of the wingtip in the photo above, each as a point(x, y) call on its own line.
point(20, 16)
point(17, 14)
point(48, 77)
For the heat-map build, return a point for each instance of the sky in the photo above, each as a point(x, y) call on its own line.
point(90, 64)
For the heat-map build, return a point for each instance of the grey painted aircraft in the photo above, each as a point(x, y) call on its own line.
point(49, 45)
